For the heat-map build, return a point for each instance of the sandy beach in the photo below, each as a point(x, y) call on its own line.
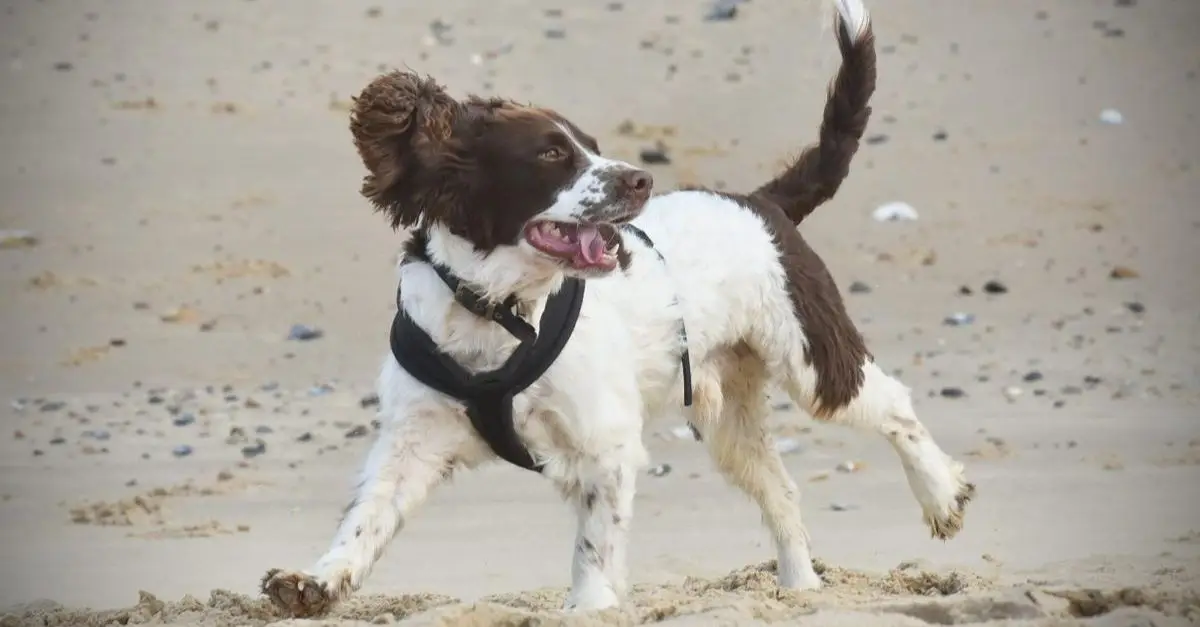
point(195, 302)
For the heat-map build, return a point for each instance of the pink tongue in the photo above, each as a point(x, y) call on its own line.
point(591, 245)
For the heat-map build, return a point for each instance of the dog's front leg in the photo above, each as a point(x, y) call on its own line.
point(414, 453)
point(604, 507)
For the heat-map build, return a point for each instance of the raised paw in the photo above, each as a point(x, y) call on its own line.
point(298, 595)
point(948, 524)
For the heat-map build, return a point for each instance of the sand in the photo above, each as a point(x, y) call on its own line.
point(178, 189)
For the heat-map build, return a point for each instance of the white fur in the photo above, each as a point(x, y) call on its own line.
point(584, 418)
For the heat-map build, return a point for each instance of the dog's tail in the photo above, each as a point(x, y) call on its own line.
point(816, 174)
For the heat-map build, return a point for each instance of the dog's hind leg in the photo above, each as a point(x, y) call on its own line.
point(411, 456)
point(884, 405)
point(733, 423)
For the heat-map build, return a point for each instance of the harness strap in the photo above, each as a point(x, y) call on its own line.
point(488, 396)
point(685, 358)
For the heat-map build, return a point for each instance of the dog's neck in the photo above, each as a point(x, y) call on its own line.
point(495, 275)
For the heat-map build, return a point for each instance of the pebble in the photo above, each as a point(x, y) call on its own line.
point(357, 431)
point(1123, 272)
point(1012, 392)
point(304, 333)
point(1135, 307)
point(841, 507)
point(894, 212)
point(183, 420)
point(722, 10)
point(655, 156)
point(959, 319)
point(848, 467)
point(1031, 376)
point(254, 450)
point(858, 287)
point(1112, 116)
point(952, 392)
point(183, 450)
point(97, 434)
point(995, 287)
point(660, 470)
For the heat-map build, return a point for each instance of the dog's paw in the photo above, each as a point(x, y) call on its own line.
point(949, 522)
point(298, 595)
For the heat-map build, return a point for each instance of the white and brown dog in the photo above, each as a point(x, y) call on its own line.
point(509, 204)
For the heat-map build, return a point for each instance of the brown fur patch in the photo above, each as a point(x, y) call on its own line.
point(836, 350)
point(818, 172)
point(475, 166)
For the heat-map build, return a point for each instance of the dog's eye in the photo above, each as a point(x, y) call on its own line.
point(552, 153)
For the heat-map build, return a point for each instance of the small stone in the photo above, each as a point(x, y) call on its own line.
point(303, 333)
point(894, 212)
point(655, 156)
point(1123, 272)
point(307, 436)
point(224, 475)
point(1112, 116)
point(660, 470)
point(959, 319)
point(183, 450)
point(64, 66)
point(555, 33)
point(722, 10)
point(357, 432)
point(58, 440)
point(858, 287)
point(1012, 392)
point(1031, 376)
point(849, 467)
point(52, 406)
point(841, 507)
point(1135, 307)
point(254, 450)
point(952, 392)
point(1072, 390)
point(97, 434)
point(183, 420)
point(263, 430)
point(369, 401)
point(940, 136)
point(995, 287)
point(965, 290)
point(875, 140)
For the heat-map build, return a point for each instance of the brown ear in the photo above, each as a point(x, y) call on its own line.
point(400, 122)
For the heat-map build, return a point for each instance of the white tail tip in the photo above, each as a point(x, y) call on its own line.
point(853, 14)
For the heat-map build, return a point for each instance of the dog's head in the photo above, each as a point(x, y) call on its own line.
point(495, 173)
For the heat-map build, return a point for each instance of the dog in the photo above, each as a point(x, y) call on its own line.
point(511, 205)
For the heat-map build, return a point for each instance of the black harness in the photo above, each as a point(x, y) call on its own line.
point(488, 396)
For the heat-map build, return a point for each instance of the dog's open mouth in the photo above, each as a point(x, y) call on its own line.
point(582, 246)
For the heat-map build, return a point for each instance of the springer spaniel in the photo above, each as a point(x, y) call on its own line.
point(512, 204)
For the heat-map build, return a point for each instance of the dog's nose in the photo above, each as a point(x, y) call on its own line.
point(637, 182)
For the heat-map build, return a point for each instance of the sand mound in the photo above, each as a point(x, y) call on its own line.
point(748, 596)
